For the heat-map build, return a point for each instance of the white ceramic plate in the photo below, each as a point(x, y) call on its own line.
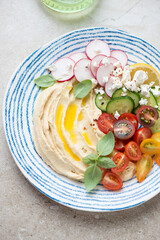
point(18, 108)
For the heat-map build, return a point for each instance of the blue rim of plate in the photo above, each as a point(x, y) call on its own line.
point(18, 107)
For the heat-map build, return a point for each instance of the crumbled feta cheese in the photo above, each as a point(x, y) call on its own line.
point(105, 61)
point(140, 77)
point(131, 85)
point(51, 68)
point(116, 115)
point(123, 94)
point(157, 87)
point(126, 76)
point(105, 79)
point(95, 64)
point(143, 101)
point(156, 106)
point(116, 83)
point(126, 68)
point(124, 89)
point(117, 64)
point(156, 92)
point(145, 88)
point(100, 97)
point(117, 72)
point(94, 81)
point(101, 91)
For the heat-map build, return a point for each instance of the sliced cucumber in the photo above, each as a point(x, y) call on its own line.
point(156, 126)
point(135, 110)
point(135, 96)
point(152, 101)
point(120, 104)
point(101, 101)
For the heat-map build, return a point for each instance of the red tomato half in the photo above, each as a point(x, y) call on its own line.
point(112, 181)
point(120, 144)
point(130, 117)
point(124, 129)
point(121, 161)
point(142, 134)
point(105, 122)
point(133, 151)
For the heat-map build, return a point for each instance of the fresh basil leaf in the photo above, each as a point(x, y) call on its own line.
point(92, 176)
point(45, 81)
point(82, 89)
point(105, 162)
point(90, 159)
point(106, 144)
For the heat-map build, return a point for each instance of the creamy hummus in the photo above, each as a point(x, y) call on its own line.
point(65, 128)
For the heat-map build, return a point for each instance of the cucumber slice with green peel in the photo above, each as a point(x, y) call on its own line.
point(135, 96)
point(156, 127)
point(120, 104)
point(152, 101)
point(101, 101)
point(135, 110)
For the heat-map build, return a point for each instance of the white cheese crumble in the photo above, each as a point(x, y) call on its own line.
point(131, 85)
point(123, 94)
point(116, 83)
point(51, 68)
point(126, 76)
point(140, 77)
point(116, 115)
point(105, 61)
point(145, 88)
point(143, 101)
point(94, 81)
point(105, 79)
point(156, 91)
point(100, 90)
point(117, 64)
point(156, 106)
point(100, 97)
point(124, 89)
point(117, 72)
point(95, 64)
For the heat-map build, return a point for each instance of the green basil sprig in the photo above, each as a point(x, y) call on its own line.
point(82, 89)
point(93, 174)
point(45, 81)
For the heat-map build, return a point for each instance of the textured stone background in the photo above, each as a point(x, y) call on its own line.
point(25, 214)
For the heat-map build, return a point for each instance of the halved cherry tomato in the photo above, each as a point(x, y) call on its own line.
point(133, 152)
point(142, 134)
point(121, 161)
point(105, 122)
point(144, 165)
point(120, 144)
point(124, 129)
point(157, 158)
point(156, 136)
point(112, 181)
point(150, 146)
point(130, 117)
point(147, 115)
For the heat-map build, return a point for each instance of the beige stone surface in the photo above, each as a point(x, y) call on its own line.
point(25, 214)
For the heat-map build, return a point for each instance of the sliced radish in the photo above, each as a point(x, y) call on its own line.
point(77, 56)
point(121, 56)
point(97, 47)
point(104, 72)
point(96, 62)
point(108, 88)
point(63, 69)
point(82, 70)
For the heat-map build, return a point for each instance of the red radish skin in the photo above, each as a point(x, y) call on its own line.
point(97, 59)
point(102, 46)
point(103, 71)
point(77, 56)
point(121, 56)
point(82, 70)
point(61, 66)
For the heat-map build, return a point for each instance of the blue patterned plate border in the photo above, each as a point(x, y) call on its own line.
point(18, 107)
